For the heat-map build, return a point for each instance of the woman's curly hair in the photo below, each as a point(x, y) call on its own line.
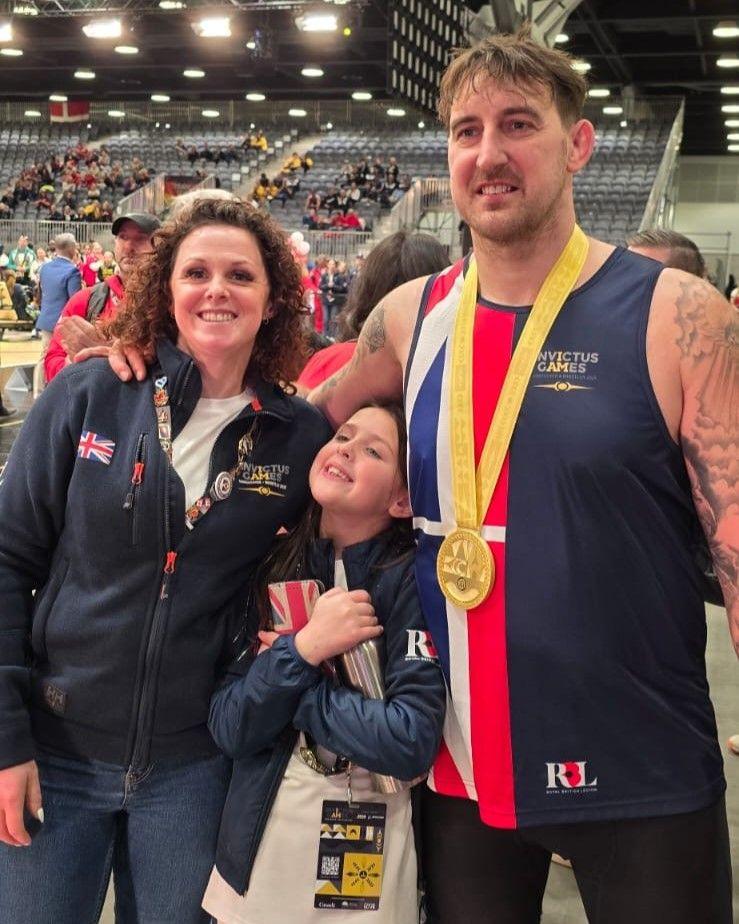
point(146, 317)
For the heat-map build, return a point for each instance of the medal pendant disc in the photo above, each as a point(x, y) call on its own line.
point(222, 485)
point(465, 568)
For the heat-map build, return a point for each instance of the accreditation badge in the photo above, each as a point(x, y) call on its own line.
point(350, 856)
point(465, 568)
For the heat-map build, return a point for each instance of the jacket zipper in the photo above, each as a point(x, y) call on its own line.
point(137, 476)
point(267, 805)
point(140, 745)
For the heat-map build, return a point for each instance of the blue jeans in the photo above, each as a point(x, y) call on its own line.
point(155, 828)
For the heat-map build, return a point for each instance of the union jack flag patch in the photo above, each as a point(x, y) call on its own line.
point(95, 447)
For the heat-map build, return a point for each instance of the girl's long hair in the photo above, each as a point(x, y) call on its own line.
point(287, 559)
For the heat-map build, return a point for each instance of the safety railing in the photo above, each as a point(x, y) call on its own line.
point(40, 233)
point(660, 209)
point(157, 195)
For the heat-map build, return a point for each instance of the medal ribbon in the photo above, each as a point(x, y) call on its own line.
point(224, 481)
point(473, 489)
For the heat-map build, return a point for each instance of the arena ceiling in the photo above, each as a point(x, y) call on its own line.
point(658, 47)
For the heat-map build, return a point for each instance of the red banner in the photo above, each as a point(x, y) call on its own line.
point(75, 111)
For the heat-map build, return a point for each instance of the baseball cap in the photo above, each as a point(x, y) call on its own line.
point(143, 220)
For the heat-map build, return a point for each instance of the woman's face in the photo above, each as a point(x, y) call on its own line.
point(220, 293)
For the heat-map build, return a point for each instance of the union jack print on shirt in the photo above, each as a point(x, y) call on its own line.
point(95, 447)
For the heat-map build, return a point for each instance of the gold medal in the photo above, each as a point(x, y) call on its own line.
point(465, 568)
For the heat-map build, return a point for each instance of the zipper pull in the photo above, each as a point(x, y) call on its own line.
point(170, 562)
point(138, 473)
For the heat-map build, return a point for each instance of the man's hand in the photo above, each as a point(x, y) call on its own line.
point(19, 787)
point(340, 620)
point(125, 362)
point(75, 334)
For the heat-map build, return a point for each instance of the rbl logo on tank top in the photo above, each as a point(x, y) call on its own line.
point(570, 776)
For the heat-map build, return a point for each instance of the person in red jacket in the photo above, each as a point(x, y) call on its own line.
point(73, 331)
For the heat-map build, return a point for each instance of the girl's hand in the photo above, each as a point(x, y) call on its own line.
point(341, 620)
point(267, 640)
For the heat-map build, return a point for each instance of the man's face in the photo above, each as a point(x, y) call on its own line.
point(130, 243)
point(511, 159)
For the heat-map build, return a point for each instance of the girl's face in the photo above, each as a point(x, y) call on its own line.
point(356, 473)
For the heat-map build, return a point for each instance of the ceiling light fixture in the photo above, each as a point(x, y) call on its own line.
point(727, 62)
point(32, 113)
point(251, 45)
point(731, 123)
point(171, 5)
point(730, 91)
point(561, 38)
point(11, 52)
point(329, 125)
point(210, 113)
point(159, 98)
point(422, 125)
point(297, 113)
point(116, 113)
point(193, 72)
point(312, 72)
point(396, 113)
point(256, 97)
point(25, 9)
point(734, 148)
point(361, 95)
point(613, 110)
point(103, 28)
point(6, 32)
point(582, 67)
point(599, 92)
point(126, 50)
point(726, 29)
point(730, 108)
point(623, 123)
point(212, 27)
point(57, 98)
point(733, 136)
point(317, 22)
point(84, 75)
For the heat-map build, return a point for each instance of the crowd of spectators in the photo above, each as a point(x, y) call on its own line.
point(82, 184)
point(285, 185)
point(225, 153)
point(337, 207)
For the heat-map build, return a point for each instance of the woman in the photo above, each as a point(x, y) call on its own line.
point(154, 502)
point(400, 257)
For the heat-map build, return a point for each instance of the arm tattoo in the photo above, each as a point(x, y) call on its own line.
point(709, 344)
point(373, 332)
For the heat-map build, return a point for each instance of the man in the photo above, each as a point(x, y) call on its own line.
point(20, 259)
point(578, 718)
point(75, 330)
point(670, 248)
point(59, 279)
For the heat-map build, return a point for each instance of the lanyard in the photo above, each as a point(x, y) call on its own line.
point(223, 483)
point(465, 567)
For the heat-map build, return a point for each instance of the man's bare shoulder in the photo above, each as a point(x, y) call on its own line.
point(695, 317)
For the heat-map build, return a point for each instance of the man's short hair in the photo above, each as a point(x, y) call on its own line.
point(65, 243)
point(515, 59)
point(683, 253)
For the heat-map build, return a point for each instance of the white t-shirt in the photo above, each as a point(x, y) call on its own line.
point(192, 447)
point(283, 880)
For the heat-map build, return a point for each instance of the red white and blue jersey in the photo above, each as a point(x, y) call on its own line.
point(577, 690)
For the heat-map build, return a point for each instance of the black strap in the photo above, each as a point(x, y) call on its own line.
point(97, 301)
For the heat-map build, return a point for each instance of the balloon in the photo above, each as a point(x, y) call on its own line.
point(296, 237)
point(302, 248)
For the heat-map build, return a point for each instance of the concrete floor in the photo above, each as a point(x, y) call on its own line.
point(562, 903)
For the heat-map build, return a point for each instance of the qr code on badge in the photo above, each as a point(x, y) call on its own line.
point(330, 867)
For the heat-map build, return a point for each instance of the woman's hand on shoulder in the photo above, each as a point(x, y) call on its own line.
point(124, 361)
point(340, 620)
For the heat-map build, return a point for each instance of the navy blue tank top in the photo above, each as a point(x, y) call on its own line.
point(578, 690)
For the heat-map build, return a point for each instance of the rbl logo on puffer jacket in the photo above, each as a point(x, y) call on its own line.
point(420, 646)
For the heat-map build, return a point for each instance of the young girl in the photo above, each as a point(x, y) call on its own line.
point(305, 836)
